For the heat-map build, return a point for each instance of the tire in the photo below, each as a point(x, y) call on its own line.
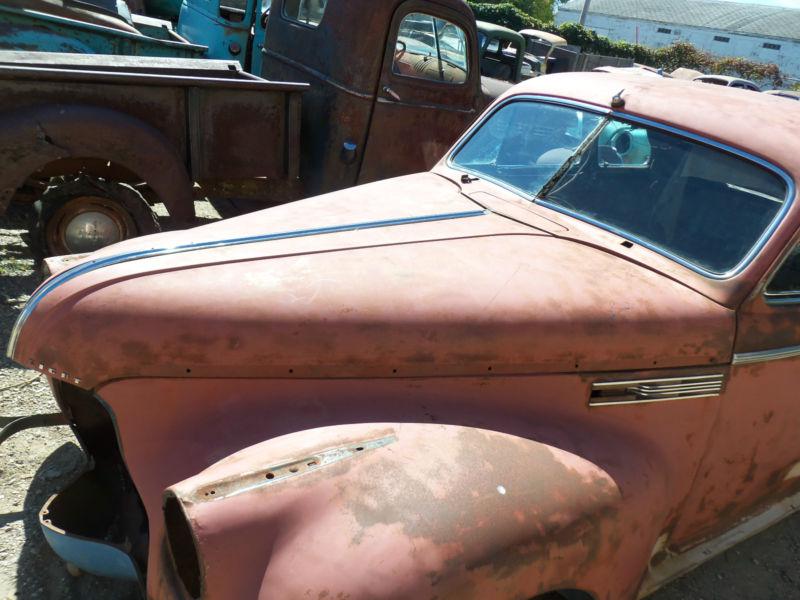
point(86, 214)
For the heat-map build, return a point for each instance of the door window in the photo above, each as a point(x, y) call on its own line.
point(430, 48)
point(307, 12)
point(786, 282)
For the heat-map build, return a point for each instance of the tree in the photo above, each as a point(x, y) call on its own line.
point(541, 10)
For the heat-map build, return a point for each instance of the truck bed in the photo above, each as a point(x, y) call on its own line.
point(226, 124)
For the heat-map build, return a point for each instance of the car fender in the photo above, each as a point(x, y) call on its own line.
point(35, 136)
point(394, 511)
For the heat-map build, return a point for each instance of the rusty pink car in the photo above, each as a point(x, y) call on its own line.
point(563, 362)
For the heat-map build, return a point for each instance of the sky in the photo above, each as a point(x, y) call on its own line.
point(786, 3)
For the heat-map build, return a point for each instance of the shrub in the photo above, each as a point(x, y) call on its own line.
point(505, 14)
point(669, 58)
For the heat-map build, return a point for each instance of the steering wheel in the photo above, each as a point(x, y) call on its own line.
point(399, 49)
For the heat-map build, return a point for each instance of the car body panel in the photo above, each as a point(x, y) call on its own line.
point(497, 341)
point(512, 320)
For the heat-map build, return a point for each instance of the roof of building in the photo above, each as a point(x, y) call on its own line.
point(735, 17)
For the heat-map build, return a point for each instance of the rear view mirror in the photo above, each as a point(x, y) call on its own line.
point(623, 146)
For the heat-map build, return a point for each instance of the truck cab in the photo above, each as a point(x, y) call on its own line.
point(232, 29)
point(502, 53)
point(384, 76)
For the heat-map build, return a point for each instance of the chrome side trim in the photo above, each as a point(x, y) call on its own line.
point(107, 261)
point(748, 358)
point(675, 565)
point(791, 188)
point(643, 391)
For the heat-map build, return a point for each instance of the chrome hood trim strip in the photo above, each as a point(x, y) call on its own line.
point(748, 358)
point(107, 261)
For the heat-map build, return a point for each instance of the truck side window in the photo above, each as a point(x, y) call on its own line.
point(786, 281)
point(430, 48)
point(307, 12)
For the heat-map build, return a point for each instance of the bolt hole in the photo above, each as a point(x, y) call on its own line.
point(576, 365)
point(627, 244)
point(270, 476)
point(294, 470)
point(291, 370)
point(489, 369)
point(313, 463)
point(394, 370)
point(188, 370)
point(359, 449)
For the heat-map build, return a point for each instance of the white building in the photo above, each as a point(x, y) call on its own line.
point(767, 34)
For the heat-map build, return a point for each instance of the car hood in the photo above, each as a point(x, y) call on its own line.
point(401, 278)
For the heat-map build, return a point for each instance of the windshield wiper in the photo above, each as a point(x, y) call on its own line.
point(553, 181)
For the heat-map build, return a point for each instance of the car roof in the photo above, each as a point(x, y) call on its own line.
point(503, 33)
point(551, 38)
point(745, 121)
point(726, 78)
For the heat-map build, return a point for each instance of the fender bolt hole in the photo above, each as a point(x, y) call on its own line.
point(627, 244)
point(294, 470)
point(394, 370)
point(359, 449)
point(188, 370)
point(489, 369)
point(270, 475)
point(291, 370)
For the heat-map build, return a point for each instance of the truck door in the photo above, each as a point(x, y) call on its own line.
point(429, 90)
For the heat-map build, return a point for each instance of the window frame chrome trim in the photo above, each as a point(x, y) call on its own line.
point(786, 298)
point(791, 188)
point(115, 259)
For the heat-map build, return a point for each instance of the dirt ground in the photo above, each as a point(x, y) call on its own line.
point(35, 464)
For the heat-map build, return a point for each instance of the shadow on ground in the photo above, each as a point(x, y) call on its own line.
point(40, 572)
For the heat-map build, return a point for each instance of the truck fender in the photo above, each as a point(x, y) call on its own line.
point(390, 511)
point(32, 137)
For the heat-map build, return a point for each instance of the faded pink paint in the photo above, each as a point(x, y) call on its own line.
point(463, 337)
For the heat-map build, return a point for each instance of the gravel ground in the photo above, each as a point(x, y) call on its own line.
point(37, 463)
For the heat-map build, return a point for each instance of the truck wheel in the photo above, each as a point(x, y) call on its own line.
point(86, 214)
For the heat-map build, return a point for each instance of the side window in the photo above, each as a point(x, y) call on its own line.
point(430, 48)
point(786, 281)
point(307, 12)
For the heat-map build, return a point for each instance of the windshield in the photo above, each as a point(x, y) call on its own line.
point(694, 202)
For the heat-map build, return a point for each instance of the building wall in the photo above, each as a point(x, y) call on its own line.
point(647, 34)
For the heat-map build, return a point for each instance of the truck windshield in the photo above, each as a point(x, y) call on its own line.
point(697, 203)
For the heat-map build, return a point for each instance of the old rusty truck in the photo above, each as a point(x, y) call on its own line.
point(565, 360)
point(356, 92)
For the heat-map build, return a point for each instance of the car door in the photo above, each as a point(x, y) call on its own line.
point(428, 92)
point(753, 460)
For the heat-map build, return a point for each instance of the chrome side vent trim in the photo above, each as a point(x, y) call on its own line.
point(642, 391)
